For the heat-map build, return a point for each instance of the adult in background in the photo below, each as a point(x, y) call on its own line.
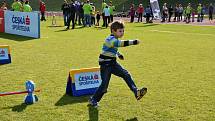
point(107, 16)
point(199, 12)
point(140, 11)
point(81, 16)
point(211, 10)
point(132, 13)
point(188, 13)
point(203, 12)
point(27, 7)
point(72, 12)
point(170, 10)
point(65, 8)
point(180, 12)
point(104, 4)
point(42, 10)
point(87, 11)
point(165, 12)
point(176, 11)
point(16, 6)
point(148, 14)
point(112, 9)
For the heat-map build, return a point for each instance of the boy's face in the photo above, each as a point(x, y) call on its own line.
point(118, 33)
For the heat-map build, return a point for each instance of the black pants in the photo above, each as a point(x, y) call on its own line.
point(81, 19)
point(93, 20)
point(43, 16)
point(210, 16)
point(170, 16)
point(106, 72)
point(107, 19)
point(111, 18)
point(147, 17)
point(140, 17)
point(176, 17)
point(180, 16)
point(71, 18)
point(97, 21)
point(188, 18)
point(132, 19)
point(103, 18)
point(165, 16)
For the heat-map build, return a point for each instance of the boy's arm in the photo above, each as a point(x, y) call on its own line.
point(121, 43)
point(120, 56)
point(124, 43)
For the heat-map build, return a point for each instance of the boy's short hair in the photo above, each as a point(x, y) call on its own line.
point(117, 25)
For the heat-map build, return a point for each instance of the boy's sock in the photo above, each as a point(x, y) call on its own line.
point(93, 102)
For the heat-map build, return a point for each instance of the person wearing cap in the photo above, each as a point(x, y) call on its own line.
point(42, 10)
point(27, 7)
point(17, 6)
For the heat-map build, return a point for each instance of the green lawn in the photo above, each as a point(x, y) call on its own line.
point(175, 62)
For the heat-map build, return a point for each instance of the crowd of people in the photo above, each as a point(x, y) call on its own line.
point(84, 13)
point(140, 12)
point(24, 6)
point(172, 14)
point(186, 14)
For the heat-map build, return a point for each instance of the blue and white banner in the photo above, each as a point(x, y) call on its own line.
point(22, 23)
point(155, 9)
point(87, 80)
point(83, 81)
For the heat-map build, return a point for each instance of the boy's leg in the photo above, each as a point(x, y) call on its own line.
point(121, 72)
point(105, 76)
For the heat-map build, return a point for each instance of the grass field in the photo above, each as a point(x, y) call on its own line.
point(175, 62)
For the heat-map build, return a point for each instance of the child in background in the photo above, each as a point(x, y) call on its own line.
point(98, 17)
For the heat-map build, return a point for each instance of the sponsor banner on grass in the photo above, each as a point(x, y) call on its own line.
point(87, 80)
point(155, 9)
point(22, 23)
point(83, 81)
point(5, 54)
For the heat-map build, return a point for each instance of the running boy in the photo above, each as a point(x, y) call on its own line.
point(109, 65)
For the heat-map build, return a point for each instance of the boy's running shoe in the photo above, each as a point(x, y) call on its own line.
point(140, 93)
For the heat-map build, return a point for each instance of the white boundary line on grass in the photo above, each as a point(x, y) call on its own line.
point(173, 32)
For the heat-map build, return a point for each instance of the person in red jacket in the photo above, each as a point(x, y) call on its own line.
point(140, 12)
point(42, 10)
